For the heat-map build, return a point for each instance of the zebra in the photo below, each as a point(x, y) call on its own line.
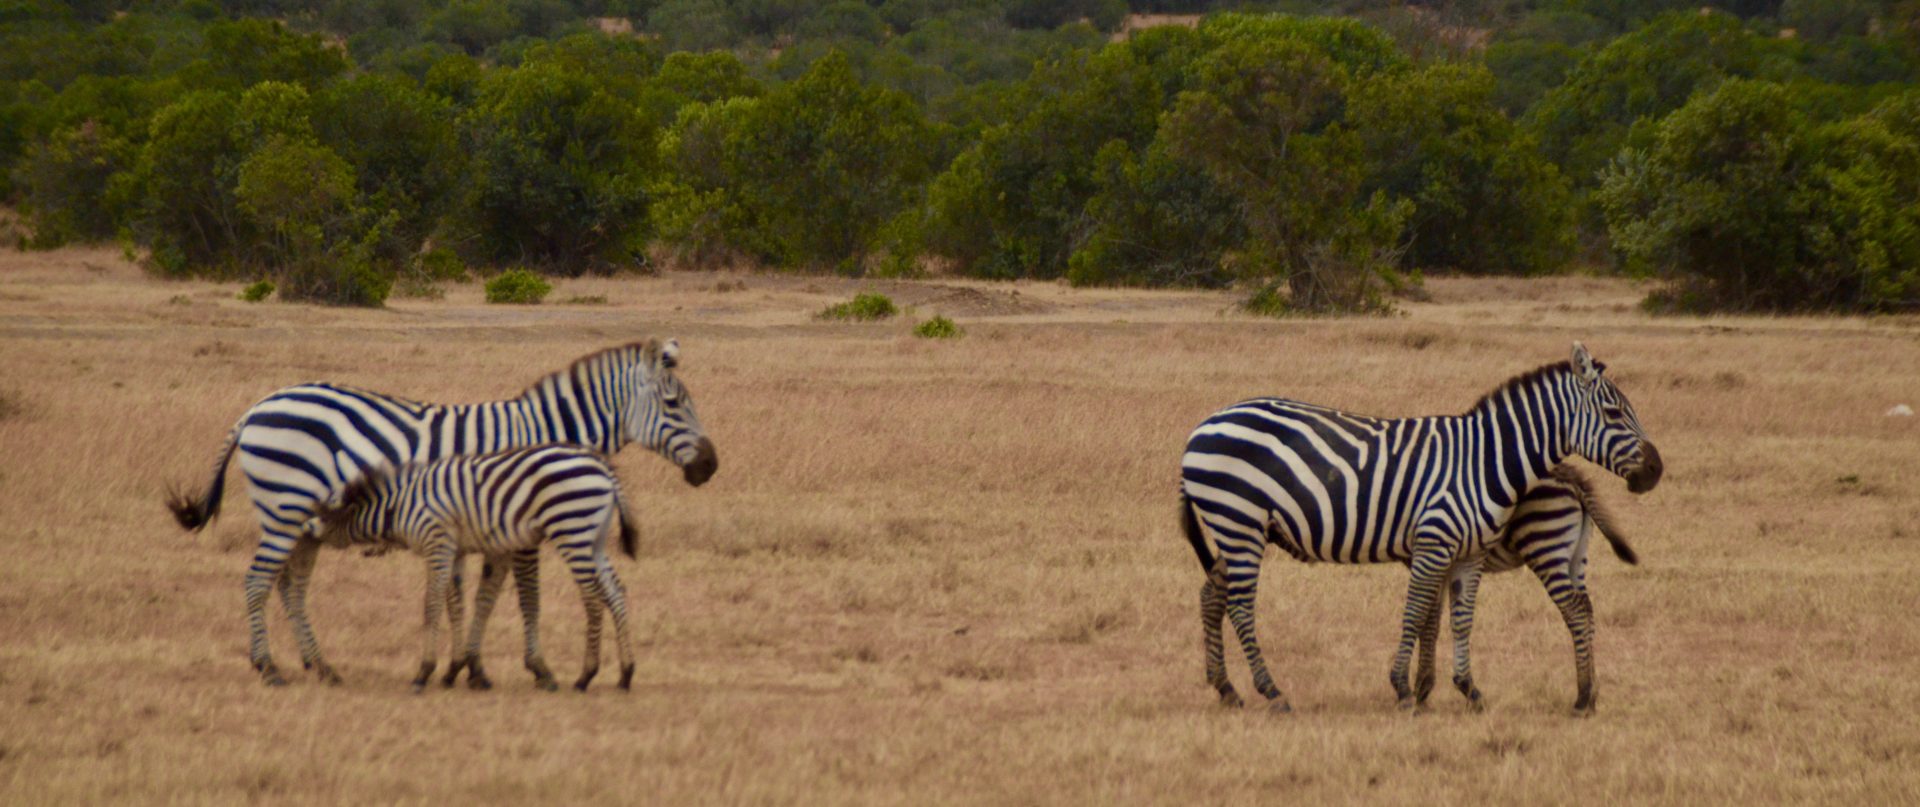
point(1329, 486)
point(1547, 534)
point(302, 445)
point(495, 504)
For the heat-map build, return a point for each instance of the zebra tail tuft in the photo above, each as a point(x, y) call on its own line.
point(1598, 512)
point(194, 514)
point(629, 534)
point(1191, 525)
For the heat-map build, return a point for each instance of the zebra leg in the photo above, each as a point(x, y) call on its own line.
point(440, 558)
point(592, 598)
point(493, 575)
point(1431, 564)
point(1462, 592)
point(269, 560)
point(456, 617)
point(526, 581)
point(293, 595)
point(615, 596)
point(1240, 596)
point(1213, 612)
point(1576, 608)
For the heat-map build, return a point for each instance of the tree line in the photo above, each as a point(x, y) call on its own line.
point(1763, 157)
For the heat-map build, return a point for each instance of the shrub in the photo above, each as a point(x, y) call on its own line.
point(518, 286)
point(938, 328)
point(587, 299)
point(257, 292)
point(441, 265)
point(864, 307)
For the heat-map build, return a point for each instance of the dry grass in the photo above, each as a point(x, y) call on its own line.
point(949, 571)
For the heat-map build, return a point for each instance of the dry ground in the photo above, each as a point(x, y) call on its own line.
point(950, 572)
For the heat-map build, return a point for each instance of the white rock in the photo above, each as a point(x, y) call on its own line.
point(1900, 411)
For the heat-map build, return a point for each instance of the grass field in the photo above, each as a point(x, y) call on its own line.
point(950, 571)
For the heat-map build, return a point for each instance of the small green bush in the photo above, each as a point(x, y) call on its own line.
point(518, 286)
point(938, 328)
point(586, 299)
point(442, 265)
point(257, 292)
point(1267, 302)
point(864, 307)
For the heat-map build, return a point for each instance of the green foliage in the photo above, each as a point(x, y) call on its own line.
point(864, 307)
point(441, 265)
point(185, 177)
point(519, 287)
point(1744, 204)
point(64, 183)
point(559, 169)
point(805, 176)
point(258, 291)
point(1484, 200)
point(938, 327)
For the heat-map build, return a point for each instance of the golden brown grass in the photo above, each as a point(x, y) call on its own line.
point(949, 571)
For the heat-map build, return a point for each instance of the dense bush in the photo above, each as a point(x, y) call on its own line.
point(864, 307)
point(938, 327)
point(519, 287)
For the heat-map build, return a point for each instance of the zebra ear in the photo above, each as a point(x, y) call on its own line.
point(670, 354)
point(1584, 365)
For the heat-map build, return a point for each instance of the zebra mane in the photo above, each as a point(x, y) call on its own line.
point(1522, 380)
point(630, 350)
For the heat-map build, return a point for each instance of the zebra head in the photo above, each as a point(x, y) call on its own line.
point(1605, 429)
point(661, 416)
point(360, 514)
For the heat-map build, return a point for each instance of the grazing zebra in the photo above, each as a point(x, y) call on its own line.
point(302, 445)
point(495, 504)
point(1548, 534)
point(1325, 485)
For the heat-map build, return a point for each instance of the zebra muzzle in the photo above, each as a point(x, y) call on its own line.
point(705, 462)
point(1645, 477)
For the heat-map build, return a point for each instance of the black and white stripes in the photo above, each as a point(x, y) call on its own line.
point(302, 445)
point(1327, 486)
point(495, 505)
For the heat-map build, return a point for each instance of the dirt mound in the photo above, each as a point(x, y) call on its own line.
point(966, 301)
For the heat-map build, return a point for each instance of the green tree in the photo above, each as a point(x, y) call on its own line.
point(1484, 200)
point(805, 176)
point(185, 176)
point(1713, 202)
point(559, 170)
point(402, 146)
point(1263, 122)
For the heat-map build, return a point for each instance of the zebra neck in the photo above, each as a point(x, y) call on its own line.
point(1518, 435)
point(559, 411)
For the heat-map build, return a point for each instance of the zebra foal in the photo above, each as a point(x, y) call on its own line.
point(304, 444)
point(495, 505)
point(1548, 534)
point(1328, 486)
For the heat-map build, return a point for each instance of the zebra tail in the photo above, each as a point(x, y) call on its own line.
point(1191, 525)
point(194, 514)
point(1599, 514)
point(629, 535)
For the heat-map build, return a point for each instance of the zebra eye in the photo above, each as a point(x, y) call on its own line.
point(1613, 413)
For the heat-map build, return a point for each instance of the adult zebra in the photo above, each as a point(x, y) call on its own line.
point(1325, 485)
point(302, 445)
point(1548, 535)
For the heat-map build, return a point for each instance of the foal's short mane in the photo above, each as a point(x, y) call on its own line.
point(1523, 379)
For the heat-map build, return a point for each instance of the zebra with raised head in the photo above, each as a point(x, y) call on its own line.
point(302, 445)
point(1547, 534)
point(495, 505)
point(1329, 486)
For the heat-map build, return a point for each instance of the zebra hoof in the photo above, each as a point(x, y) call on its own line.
point(269, 675)
point(453, 673)
point(1411, 705)
point(626, 677)
point(1279, 706)
point(326, 674)
point(1230, 699)
point(547, 684)
point(478, 680)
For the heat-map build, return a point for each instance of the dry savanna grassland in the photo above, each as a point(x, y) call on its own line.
point(949, 571)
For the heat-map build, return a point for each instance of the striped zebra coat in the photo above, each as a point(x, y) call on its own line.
point(495, 505)
point(303, 445)
point(1547, 535)
point(1327, 486)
